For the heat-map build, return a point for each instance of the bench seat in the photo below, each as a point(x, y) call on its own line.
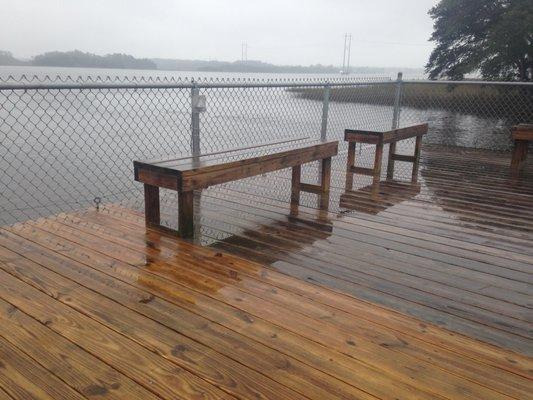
point(353, 136)
point(186, 174)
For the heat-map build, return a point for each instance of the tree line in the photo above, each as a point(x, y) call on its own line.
point(80, 59)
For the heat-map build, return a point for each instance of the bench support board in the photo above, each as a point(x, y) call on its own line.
point(322, 190)
point(380, 139)
point(151, 205)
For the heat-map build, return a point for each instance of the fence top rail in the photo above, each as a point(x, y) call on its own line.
point(243, 85)
point(466, 82)
point(81, 86)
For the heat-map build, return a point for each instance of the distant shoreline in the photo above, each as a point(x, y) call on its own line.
point(78, 59)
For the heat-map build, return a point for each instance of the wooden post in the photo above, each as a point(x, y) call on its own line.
point(325, 183)
point(151, 205)
point(325, 175)
point(377, 167)
point(390, 162)
point(295, 188)
point(186, 214)
point(416, 162)
point(349, 164)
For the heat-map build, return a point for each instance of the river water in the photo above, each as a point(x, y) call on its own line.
point(61, 149)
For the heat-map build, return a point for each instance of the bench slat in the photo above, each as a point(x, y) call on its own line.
point(374, 137)
point(193, 167)
point(238, 155)
point(244, 169)
point(230, 154)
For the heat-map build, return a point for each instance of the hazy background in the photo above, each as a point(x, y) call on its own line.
point(385, 33)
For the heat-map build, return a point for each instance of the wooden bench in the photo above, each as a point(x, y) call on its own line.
point(522, 134)
point(187, 174)
point(380, 139)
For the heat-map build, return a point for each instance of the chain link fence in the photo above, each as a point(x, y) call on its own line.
point(67, 144)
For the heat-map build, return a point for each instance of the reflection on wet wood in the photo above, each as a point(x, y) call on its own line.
point(367, 200)
point(161, 317)
point(286, 302)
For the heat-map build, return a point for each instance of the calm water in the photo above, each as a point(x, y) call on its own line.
point(41, 72)
point(61, 149)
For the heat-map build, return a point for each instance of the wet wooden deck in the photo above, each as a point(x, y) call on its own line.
point(423, 293)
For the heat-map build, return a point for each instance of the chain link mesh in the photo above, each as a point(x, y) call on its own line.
point(67, 142)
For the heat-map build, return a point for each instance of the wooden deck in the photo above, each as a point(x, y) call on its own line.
point(423, 293)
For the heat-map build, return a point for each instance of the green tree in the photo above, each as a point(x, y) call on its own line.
point(490, 37)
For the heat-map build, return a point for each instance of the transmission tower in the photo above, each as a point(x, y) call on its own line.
point(244, 52)
point(347, 53)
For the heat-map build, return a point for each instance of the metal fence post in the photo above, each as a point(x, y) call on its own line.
point(397, 102)
point(395, 124)
point(325, 111)
point(195, 122)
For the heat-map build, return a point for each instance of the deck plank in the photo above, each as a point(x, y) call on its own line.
point(167, 246)
point(79, 369)
point(164, 378)
point(306, 350)
point(273, 314)
point(21, 377)
point(421, 293)
point(291, 301)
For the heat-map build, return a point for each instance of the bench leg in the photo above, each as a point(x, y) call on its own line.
point(325, 183)
point(390, 162)
point(151, 205)
point(416, 162)
point(519, 154)
point(377, 168)
point(296, 180)
point(325, 175)
point(186, 214)
point(349, 164)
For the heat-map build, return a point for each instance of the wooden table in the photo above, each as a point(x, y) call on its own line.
point(353, 136)
point(522, 135)
point(186, 174)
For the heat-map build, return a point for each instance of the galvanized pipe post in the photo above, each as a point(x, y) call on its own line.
point(325, 111)
point(324, 129)
point(397, 102)
point(395, 125)
point(195, 121)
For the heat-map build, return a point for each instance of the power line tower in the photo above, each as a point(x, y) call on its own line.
point(347, 53)
point(244, 52)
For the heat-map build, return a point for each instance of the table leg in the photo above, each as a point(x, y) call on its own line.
point(519, 154)
point(186, 214)
point(349, 164)
point(151, 205)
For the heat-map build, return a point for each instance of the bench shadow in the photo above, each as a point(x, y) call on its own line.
point(368, 200)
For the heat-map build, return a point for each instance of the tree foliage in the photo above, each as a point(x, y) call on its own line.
point(6, 58)
point(77, 58)
point(490, 37)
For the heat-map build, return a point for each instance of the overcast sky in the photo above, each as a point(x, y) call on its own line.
point(385, 32)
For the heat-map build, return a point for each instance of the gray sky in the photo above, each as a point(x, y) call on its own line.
point(385, 32)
